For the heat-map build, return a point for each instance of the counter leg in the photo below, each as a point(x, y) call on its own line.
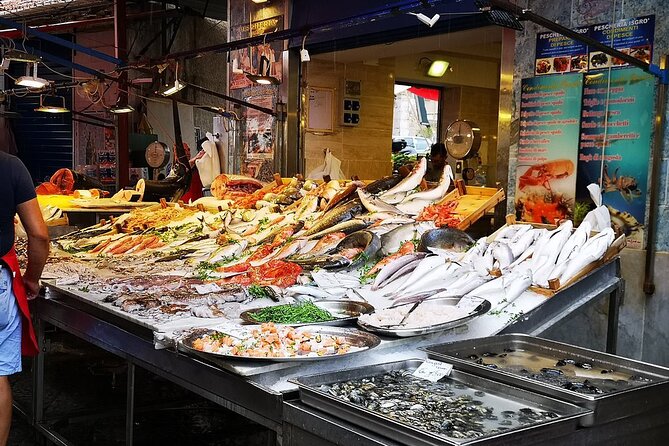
point(615, 298)
point(38, 376)
point(130, 404)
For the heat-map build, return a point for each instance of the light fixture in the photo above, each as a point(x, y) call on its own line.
point(119, 108)
point(425, 19)
point(263, 78)
point(21, 56)
point(259, 1)
point(51, 104)
point(437, 68)
point(304, 53)
point(33, 81)
point(178, 85)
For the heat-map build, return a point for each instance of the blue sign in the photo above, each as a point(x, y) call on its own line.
point(556, 53)
point(614, 147)
point(630, 36)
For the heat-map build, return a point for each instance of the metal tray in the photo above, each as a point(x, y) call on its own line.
point(355, 337)
point(483, 308)
point(567, 422)
point(606, 407)
point(350, 307)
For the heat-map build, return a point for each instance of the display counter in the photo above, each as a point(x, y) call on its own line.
point(258, 391)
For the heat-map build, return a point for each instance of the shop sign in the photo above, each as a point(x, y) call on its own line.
point(549, 134)
point(614, 148)
point(556, 53)
point(630, 36)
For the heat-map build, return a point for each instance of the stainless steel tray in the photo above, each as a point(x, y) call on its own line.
point(482, 308)
point(609, 406)
point(351, 308)
point(312, 395)
point(357, 338)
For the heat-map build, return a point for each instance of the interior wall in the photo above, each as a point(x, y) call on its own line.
point(364, 150)
point(463, 71)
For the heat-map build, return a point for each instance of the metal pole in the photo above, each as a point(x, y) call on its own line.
point(130, 404)
point(122, 132)
point(231, 99)
point(656, 157)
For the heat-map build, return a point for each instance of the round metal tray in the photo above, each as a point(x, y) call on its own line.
point(482, 308)
point(355, 337)
point(351, 308)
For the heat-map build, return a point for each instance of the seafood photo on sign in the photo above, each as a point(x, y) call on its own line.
point(544, 192)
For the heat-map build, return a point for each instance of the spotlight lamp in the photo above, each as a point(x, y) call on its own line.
point(178, 85)
point(52, 104)
point(119, 108)
point(33, 81)
point(263, 78)
point(436, 68)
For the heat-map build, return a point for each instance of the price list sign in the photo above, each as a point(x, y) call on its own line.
point(547, 149)
point(614, 147)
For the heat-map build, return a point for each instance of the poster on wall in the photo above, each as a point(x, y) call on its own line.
point(248, 60)
point(556, 53)
point(630, 36)
point(614, 148)
point(547, 148)
point(259, 136)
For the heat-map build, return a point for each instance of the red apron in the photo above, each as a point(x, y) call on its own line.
point(29, 345)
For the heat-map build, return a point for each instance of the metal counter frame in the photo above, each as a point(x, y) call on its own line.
point(248, 396)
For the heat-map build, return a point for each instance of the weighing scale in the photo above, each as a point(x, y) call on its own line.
point(463, 140)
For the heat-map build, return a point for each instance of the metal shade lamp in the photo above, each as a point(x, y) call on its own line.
point(52, 104)
point(33, 81)
point(263, 78)
point(177, 86)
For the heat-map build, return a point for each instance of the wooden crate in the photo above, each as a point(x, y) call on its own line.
point(473, 202)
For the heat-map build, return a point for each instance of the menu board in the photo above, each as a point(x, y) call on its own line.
point(549, 134)
point(614, 148)
point(556, 53)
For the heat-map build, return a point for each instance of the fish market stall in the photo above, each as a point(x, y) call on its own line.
point(236, 296)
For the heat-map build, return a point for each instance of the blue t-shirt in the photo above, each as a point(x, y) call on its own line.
point(17, 187)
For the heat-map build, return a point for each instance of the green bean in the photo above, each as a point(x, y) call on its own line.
point(301, 313)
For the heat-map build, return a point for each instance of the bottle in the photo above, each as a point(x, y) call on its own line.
point(480, 174)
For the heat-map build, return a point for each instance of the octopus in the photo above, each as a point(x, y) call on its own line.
point(624, 222)
point(626, 185)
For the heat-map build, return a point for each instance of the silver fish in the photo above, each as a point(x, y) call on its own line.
point(346, 227)
point(436, 193)
point(392, 267)
point(410, 182)
point(373, 204)
point(392, 241)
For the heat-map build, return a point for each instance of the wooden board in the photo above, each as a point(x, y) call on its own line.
point(474, 203)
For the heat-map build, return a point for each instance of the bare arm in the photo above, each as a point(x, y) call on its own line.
point(38, 244)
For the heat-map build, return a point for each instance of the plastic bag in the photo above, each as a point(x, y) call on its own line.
point(331, 167)
point(209, 164)
point(599, 217)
